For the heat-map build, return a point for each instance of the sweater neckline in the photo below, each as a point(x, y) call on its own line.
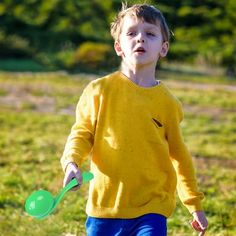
point(131, 83)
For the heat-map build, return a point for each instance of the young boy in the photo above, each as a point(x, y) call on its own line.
point(129, 123)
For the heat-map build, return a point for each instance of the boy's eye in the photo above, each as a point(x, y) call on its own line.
point(130, 33)
point(150, 34)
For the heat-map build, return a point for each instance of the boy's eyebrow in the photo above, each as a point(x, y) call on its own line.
point(154, 27)
point(131, 27)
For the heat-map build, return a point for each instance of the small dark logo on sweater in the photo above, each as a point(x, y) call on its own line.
point(157, 122)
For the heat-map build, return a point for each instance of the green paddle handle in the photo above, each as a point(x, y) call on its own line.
point(87, 176)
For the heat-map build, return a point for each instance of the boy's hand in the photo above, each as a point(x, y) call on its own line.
point(199, 222)
point(72, 171)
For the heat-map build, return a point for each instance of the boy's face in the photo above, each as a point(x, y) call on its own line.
point(140, 43)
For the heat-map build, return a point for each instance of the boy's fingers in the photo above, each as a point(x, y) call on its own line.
point(204, 225)
point(198, 227)
point(78, 176)
point(75, 172)
point(200, 218)
point(67, 181)
point(75, 188)
point(71, 176)
point(195, 225)
point(199, 222)
point(72, 171)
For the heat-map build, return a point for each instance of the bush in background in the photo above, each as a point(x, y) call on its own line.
point(95, 57)
point(15, 46)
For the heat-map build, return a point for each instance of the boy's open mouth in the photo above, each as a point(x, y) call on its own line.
point(140, 50)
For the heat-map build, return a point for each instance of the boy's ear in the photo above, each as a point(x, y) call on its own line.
point(118, 49)
point(164, 49)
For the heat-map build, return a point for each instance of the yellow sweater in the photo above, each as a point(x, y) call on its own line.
point(137, 151)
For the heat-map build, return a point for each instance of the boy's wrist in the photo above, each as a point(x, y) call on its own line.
point(71, 163)
point(198, 211)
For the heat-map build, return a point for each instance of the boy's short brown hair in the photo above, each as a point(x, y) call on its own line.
point(145, 12)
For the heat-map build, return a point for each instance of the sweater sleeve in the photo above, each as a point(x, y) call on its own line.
point(182, 161)
point(80, 140)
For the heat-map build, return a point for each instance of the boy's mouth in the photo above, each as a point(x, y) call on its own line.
point(140, 50)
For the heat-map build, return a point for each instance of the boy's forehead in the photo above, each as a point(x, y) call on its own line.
point(132, 20)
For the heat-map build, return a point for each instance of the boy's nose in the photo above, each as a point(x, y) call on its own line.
point(140, 38)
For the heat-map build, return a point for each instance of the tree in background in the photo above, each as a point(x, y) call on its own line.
point(53, 31)
point(204, 32)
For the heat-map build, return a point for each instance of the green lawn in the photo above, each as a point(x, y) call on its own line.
point(36, 114)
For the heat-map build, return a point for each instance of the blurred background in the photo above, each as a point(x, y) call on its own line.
point(73, 35)
point(51, 49)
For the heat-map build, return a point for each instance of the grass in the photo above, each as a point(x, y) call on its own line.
point(21, 65)
point(36, 114)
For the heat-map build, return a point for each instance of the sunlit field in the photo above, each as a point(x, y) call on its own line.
point(36, 114)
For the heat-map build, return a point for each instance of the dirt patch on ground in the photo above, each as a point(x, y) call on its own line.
point(214, 112)
point(201, 86)
point(205, 163)
point(27, 101)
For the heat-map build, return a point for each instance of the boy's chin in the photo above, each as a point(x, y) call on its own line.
point(143, 63)
point(139, 63)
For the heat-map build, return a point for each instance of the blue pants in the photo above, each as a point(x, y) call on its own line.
point(146, 225)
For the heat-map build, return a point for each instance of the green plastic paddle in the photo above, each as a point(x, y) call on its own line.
point(41, 203)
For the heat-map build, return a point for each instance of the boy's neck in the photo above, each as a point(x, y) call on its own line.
point(144, 76)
